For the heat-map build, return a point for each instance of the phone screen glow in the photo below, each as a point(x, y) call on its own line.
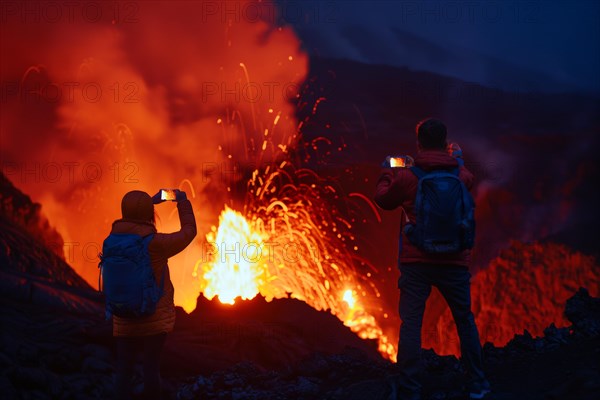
point(167, 194)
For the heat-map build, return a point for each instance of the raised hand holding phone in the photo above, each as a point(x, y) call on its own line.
point(180, 195)
point(454, 150)
point(168, 194)
point(398, 162)
point(157, 198)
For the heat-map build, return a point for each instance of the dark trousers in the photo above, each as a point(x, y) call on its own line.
point(127, 350)
point(415, 284)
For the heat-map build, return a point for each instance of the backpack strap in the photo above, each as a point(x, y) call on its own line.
point(100, 266)
point(461, 162)
point(147, 239)
point(419, 173)
point(403, 225)
point(100, 274)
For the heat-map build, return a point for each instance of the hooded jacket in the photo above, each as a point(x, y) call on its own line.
point(398, 188)
point(162, 246)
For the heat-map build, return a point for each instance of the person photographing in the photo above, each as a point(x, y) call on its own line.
point(437, 233)
point(137, 285)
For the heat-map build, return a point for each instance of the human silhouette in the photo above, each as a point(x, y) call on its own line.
point(420, 268)
point(147, 334)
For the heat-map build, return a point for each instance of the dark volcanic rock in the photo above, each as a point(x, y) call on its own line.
point(31, 251)
point(270, 334)
point(533, 180)
point(526, 368)
point(584, 312)
point(46, 311)
point(55, 343)
point(18, 208)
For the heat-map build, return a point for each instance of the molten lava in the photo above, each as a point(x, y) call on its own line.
point(160, 100)
point(525, 287)
point(172, 108)
point(285, 251)
point(238, 267)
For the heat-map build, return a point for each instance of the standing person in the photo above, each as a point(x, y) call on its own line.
point(423, 266)
point(149, 332)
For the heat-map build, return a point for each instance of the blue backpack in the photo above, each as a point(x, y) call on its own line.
point(445, 213)
point(128, 278)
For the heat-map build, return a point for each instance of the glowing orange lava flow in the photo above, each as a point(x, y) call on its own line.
point(289, 243)
point(238, 266)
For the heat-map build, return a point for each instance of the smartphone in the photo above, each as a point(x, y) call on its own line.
point(167, 194)
point(401, 162)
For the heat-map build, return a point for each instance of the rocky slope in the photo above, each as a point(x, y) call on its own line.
point(56, 344)
point(18, 208)
point(563, 364)
point(534, 160)
point(525, 287)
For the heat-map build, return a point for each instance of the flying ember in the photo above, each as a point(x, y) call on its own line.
point(211, 112)
point(290, 242)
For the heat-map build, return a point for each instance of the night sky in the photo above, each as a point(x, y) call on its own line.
point(548, 46)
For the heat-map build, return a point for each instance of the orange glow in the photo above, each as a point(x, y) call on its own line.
point(245, 261)
point(237, 267)
point(535, 281)
point(349, 298)
point(396, 162)
point(175, 110)
point(288, 244)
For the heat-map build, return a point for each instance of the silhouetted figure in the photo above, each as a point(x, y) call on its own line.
point(148, 333)
point(424, 262)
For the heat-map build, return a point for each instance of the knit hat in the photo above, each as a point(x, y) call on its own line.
point(137, 205)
